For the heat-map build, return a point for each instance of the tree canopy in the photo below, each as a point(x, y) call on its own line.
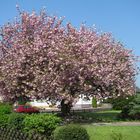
point(42, 59)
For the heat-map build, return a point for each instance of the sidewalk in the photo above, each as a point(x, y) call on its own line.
point(118, 124)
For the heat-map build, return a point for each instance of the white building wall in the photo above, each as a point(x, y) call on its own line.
point(80, 103)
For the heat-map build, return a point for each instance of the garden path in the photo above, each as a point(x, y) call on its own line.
point(136, 123)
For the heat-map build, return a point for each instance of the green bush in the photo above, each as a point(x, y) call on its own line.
point(3, 119)
point(71, 132)
point(119, 102)
point(15, 120)
point(41, 123)
point(22, 100)
point(132, 110)
point(5, 108)
point(94, 102)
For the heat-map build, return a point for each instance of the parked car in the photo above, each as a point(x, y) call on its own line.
point(25, 109)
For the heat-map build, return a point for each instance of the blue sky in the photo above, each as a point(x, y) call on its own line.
point(120, 17)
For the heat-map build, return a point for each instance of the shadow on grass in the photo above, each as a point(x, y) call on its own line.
point(90, 117)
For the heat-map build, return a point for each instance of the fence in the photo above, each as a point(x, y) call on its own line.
point(13, 134)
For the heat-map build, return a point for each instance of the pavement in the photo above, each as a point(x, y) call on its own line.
point(118, 124)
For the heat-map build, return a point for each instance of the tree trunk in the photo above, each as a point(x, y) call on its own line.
point(65, 108)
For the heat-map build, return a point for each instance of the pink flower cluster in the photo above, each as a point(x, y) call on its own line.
point(40, 58)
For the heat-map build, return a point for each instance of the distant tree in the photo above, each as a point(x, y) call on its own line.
point(94, 102)
point(137, 90)
point(41, 59)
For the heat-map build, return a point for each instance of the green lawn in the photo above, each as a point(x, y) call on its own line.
point(106, 132)
point(101, 116)
point(109, 132)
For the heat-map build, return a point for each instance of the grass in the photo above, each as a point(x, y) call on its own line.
point(113, 132)
point(101, 116)
point(109, 132)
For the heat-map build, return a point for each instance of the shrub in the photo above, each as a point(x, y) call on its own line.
point(125, 111)
point(132, 110)
point(22, 100)
point(71, 132)
point(41, 123)
point(5, 108)
point(15, 120)
point(3, 119)
point(119, 102)
point(94, 102)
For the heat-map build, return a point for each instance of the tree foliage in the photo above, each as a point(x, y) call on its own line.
point(41, 58)
point(132, 109)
